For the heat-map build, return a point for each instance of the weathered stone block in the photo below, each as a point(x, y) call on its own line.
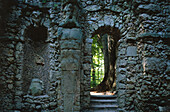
point(131, 81)
point(121, 77)
point(65, 34)
point(70, 59)
point(121, 86)
point(116, 8)
point(72, 34)
point(10, 86)
point(154, 65)
point(68, 102)
point(69, 81)
point(150, 8)
point(76, 108)
point(121, 93)
point(101, 23)
point(149, 35)
point(130, 91)
point(130, 86)
point(52, 104)
point(107, 20)
point(36, 87)
point(19, 46)
point(93, 8)
point(18, 93)
point(122, 51)
point(132, 51)
point(76, 34)
point(131, 62)
point(70, 44)
point(121, 102)
point(122, 63)
point(121, 70)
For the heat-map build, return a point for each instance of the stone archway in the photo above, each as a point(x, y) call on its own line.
point(109, 37)
point(124, 44)
point(115, 36)
point(144, 43)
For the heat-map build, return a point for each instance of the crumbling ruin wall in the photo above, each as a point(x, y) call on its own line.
point(29, 52)
point(64, 56)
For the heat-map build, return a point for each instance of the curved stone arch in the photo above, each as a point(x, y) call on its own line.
point(104, 29)
point(97, 24)
point(96, 20)
point(33, 20)
point(125, 29)
point(107, 29)
point(124, 21)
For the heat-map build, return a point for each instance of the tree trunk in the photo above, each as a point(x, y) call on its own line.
point(109, 52)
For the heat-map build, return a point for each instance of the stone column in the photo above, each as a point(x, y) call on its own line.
point(70, 45)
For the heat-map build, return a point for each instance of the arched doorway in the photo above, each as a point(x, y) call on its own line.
point(103, 71)
point(97, 66)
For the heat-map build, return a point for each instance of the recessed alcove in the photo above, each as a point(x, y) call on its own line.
point(36, 58)
point(37, 34)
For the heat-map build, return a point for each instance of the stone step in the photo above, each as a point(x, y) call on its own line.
point(97, 107)
point(103, 101)
point(103, 110)
point(103, 96)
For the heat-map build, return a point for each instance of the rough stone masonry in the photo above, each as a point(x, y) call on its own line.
point(45, 53)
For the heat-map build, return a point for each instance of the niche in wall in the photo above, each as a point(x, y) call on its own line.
point(36, 57)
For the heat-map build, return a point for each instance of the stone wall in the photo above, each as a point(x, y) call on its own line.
point(52, 73)
point(8, 73)
point(115, 18)
point(28, 53)
point(152, 83)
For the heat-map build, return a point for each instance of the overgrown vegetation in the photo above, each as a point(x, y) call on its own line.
point(97, 70)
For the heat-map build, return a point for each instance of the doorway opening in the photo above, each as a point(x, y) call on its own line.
point(103, 66)
point(97, 66)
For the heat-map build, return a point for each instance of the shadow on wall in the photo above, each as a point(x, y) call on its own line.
point(5, 8)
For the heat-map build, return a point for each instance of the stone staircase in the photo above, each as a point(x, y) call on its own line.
point(103, 103)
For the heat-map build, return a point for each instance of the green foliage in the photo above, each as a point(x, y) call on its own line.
point(97, 61)
point(97, 51)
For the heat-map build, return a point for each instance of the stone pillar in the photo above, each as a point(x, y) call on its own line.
point(85, 77)
point(18, 77)
point(121, 64)
point(70, 45)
